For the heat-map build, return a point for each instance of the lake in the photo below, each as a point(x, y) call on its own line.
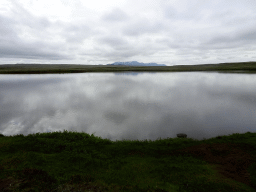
point(129, 106)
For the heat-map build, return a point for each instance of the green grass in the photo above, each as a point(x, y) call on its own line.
point(244, 67)
point(72, 161)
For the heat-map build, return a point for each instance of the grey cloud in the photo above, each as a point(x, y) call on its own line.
point(170, 12)
point(114, 42)
point(116, 15)
point(177, 30)
point(210, 25)
point(221, 42)
point(143, 26)
point(191, 11)
point(118, 56)
point(122, 54)
point(121, 49)
point(35, 23)
point(24, 17)
point(76, 33)
point(6, 25)
point(13, 46)
point(232, 40)
point(249, 36)
point(116, 117)
point(125, 47)
point(30, 51)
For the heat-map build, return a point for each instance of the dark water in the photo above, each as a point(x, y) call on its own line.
point(129, 105)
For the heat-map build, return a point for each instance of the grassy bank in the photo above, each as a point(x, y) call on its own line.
point(247, 67)
point(71, 161)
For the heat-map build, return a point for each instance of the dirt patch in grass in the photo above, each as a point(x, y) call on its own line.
point(232, 160)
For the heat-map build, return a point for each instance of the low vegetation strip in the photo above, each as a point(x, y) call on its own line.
point(72, 161)
point(245, 67)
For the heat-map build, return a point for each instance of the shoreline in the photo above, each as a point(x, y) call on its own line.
point(243, 67)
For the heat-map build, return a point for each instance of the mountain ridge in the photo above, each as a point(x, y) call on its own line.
point(136, 63)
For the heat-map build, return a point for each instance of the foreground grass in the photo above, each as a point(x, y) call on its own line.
point(244, 67)
point(72, 161)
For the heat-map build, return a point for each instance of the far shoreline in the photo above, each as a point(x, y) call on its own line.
point(242, 67)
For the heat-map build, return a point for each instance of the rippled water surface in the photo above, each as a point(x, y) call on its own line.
point(129, 105)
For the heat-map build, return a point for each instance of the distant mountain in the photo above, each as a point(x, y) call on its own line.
point(136, 63)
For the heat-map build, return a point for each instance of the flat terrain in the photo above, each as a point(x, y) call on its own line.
point(72, 161)
point(246, 67)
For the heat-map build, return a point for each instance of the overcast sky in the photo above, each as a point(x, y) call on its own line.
point(167, 32)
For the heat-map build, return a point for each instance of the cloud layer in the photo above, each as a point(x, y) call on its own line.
point(101, 32)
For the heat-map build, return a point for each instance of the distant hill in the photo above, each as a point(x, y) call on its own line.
point(136, 63)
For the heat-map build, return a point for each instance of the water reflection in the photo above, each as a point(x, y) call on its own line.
point(141, 106)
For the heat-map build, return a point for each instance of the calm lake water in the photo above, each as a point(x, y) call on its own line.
point(130, 106)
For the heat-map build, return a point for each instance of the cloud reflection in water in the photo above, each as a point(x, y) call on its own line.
point(141, 106)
